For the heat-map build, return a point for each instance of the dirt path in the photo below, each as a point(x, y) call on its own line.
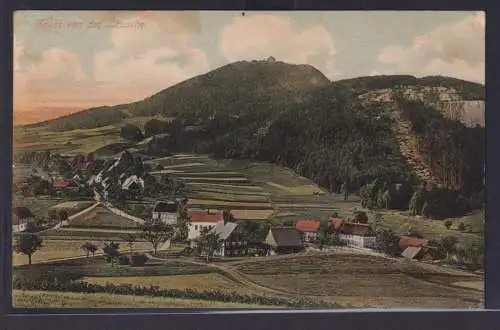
point(236, 276)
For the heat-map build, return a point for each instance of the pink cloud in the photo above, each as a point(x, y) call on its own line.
point(141, 62)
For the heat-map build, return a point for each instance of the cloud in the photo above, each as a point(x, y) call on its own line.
point(456, 50)
point(151, 58)
point(140, 60)
point(262, 35)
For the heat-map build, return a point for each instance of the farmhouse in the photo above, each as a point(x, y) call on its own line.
point(355, 234)
point(282, 240)
point(61, 184)
point(131, 181)
point(420, 253)
point(21, 217)
point(201, 220)
point(166, 211)
point(417, 249)
point(232, 243)
point(407, 241)
point(308, 229)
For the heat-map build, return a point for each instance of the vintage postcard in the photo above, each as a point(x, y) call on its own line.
point(220, 159)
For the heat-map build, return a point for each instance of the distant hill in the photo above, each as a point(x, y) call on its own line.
point(257, 86)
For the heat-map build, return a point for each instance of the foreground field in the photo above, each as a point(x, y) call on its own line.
point(365, 281)
point(199, 282)
point(44, 299)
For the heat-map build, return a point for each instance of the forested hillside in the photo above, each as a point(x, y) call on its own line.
point(294, 116)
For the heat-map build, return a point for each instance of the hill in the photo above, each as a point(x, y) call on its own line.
point(255, 86)
point(359, 135)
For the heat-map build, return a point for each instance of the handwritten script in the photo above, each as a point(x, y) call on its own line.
point(55, 23)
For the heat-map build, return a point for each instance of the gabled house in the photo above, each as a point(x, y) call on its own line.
point(85, 166)
point(21, 217)
point(283, 240)
point(232, 243)
point(62, 184)
point(356, 235)
point(336, 223)
point(133, 180)
point(417, 249)
point(308, 229)
point(407, 241)
point(202, 220)
point(420, 253)
point(166, 211)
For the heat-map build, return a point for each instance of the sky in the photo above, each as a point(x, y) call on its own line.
point(67, 61)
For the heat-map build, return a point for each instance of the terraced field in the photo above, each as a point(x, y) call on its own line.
point(210, 184)
point(252, 191)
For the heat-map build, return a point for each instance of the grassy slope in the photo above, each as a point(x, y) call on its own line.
point(67, 142)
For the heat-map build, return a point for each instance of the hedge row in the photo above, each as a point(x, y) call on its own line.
point(63, 285)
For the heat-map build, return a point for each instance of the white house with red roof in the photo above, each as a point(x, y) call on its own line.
point(357, 235)
point(201, 220)
point(308, 229)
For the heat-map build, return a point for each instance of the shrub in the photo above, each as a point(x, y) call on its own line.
point(448, 224)
point(131, 133)
point(461, 226)
point(360, 217)
point(123, 260)
point(139, 260)
point(188, 251)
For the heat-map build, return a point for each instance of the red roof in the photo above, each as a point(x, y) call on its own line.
point(63, 183)
point(337, 223)
point(201, 216)
point(307, 225)
point(359, 229)
point(406, 241)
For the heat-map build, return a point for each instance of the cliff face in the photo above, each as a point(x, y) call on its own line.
point(446, 99)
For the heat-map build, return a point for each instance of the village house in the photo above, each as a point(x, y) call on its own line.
point(64, 184)
point(283, 240)
point(407, 241)
point(356, 235)
point(166, 211)
point(202, 220)
point(131, 181)
point(308, 229)
point(417, 249)
point(21, 217)
point(232, 242)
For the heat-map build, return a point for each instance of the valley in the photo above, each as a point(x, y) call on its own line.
point(291, 192)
